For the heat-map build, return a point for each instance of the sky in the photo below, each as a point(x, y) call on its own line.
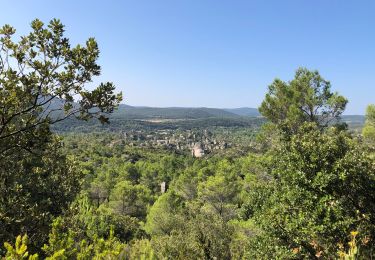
point(216, 53)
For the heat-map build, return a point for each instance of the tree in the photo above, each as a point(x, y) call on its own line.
point(63, 244)
point(34, 189)
point(306, 98)
point(322, 189)
point(219, 196)
point(184, 230)
point(203, 236)
point(164, 216)
point(131, 200)
point(42, 82)
point(369, 128)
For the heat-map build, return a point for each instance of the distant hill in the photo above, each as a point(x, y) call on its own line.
point(133, 112)
point(142, 117)
point(243, 111)
point(144, 112)
point(354, 121)
point(134, 117)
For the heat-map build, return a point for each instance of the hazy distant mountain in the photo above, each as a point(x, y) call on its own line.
point(243, 111)
point(354, 121)
point(126, 112)
point(132, 117)
point(135, 112)
point(143, 112)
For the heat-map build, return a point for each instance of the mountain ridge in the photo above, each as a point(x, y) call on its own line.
point(144, 112)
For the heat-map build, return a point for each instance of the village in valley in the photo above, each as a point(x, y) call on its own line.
point(198, 142)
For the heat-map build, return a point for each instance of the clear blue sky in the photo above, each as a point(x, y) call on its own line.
point(217, 53)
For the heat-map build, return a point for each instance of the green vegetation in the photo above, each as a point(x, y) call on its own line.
point(306, 98)
point(369, 129)
point(39, 77)
point(300, 186)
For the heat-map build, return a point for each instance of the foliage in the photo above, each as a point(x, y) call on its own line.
point(19, 251)
point(353, 249)
point(219, 195)
point(62, 245)
point(35, 189)
point(163, 216)
point(141, 249)
point(306, 98)
point(201, 236)
point(41, 75)
point(42, 82)
point(130, 200)
point(322, 188)
point(369, 128)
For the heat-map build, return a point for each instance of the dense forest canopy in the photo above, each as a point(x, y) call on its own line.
point(298, 183)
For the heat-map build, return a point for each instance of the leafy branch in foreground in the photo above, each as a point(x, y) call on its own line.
point(42, 81)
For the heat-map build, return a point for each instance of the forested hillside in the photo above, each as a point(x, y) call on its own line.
point(130, 112)
point(82, 180)
point(244, 111)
